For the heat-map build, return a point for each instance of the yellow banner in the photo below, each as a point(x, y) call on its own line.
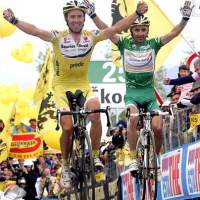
point(194, 120)
point(5, 136)
point(26, 145)
point(47, 121)
point(4, 146)
point(45, 78)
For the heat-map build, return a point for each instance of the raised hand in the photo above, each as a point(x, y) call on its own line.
point(166, 81)
point(8, 15)
point(90, 8)
point(186, 10)
point(142, 8)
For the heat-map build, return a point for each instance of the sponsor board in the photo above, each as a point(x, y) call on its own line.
point(193, 169)
point(110, 94)
point(128, 186)
point(171, 181)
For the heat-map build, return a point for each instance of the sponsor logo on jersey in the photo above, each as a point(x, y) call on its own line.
point(76, 65)
point(85, 39)
point(83, 45)
point(67, 46)
point(66, 40)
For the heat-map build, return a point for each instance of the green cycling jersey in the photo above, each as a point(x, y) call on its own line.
point(139, 66)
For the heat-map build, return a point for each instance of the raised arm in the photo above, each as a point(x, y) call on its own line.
point(26, 27)
point(179, 81)
point(125, 23)
point(186, 11)
point(98, 22)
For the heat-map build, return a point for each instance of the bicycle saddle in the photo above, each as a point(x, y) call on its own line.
point(143, 106)
point(75, 99)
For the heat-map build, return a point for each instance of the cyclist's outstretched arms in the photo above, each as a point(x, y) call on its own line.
point(178, 81)
point(91, 11)
point(26, 27)
point(186, 11)
point(97, 21)
point(125, 23)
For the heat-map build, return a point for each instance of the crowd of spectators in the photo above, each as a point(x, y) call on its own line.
point(186, 89)
point(31, 179)
point(39, 178)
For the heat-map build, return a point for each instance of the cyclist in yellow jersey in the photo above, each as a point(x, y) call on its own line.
point(73, 49)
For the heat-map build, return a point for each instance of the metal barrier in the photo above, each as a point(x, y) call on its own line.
point(175, 130)
point(175, 127)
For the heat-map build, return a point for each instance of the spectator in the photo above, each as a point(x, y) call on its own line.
point(30, 176)
point(45, 185)
point(183, 71)
point(174, 97)
point(41, 165)
point(187, 79)
point(119, 136)
point(33, 124)
point(185, 88)
point(195, 93)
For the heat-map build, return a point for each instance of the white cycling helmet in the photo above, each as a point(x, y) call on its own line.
point(141, 21)
point(72, 5)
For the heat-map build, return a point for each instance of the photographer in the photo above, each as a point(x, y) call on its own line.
point(119, 134)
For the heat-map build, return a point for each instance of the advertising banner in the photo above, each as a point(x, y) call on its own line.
point(128, 187)
point(180, 175)
point(193, 169)
point(171, 180)
point(26, 145)
point(109, 85)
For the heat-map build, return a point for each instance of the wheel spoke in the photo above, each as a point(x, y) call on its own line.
point(147, 173)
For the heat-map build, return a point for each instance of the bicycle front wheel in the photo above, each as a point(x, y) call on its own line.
point(140, 180)
point(152, 168)
point(88, 184)
point(147, 159)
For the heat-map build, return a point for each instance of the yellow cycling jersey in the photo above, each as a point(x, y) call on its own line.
point(71, 59)
point(72, 62)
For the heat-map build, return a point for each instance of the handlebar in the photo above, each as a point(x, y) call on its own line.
point(144, 114)
point(84, 113)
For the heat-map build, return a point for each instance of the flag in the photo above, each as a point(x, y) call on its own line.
point(5, 136)
point(159, 26)
point(44, 82)
point(44, 100)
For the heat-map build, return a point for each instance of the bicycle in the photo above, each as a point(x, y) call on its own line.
point(146, 176)
point(81, 159)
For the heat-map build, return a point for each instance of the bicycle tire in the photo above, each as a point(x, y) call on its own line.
point(88, 169)
point(73, 160)
point(147, 176)
point(141, 183)
point(152, 168)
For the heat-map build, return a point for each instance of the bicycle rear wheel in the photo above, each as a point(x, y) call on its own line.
point(87, 187)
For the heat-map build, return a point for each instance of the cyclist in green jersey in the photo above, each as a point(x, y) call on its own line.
point(139, 54)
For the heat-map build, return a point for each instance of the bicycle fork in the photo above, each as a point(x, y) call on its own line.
point(145, 138)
